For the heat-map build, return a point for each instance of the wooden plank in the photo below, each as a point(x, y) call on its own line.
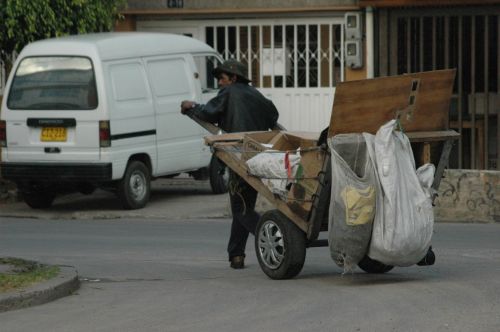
point(261, 136)
point(432, 136)
point(433, 101)
point(210, 127)
point(302, 193)
point(426, 154)
point(363, 106)
point(209, 140)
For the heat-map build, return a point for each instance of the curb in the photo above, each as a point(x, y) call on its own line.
point(64, 284)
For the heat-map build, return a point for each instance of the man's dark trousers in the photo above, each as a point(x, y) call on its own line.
point(242, 197)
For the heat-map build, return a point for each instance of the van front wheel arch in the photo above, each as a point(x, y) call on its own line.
point(134, 188)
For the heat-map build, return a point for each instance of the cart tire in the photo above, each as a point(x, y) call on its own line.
point(219, 176)
point(135, 187)
point(372, 266)
point(280, 246)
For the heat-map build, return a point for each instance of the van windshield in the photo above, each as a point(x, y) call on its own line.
point(53, 83)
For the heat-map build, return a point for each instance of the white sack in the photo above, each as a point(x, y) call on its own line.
point(352, 203)
point(271, 168)
point(404, 218)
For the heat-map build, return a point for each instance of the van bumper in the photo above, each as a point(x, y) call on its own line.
point(52, 172)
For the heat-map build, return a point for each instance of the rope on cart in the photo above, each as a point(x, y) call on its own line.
point(399, 125)
point(235, 189)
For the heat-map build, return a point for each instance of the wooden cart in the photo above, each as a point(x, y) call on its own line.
point(420, 101)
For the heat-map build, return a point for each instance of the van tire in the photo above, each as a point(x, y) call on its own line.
point(135, 187)
point(39, 200)
point(218, 175)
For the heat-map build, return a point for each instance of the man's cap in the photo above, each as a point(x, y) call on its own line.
point(233, 67)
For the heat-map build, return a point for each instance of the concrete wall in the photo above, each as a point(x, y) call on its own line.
point(469, 195)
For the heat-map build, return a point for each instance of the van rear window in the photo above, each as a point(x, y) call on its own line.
point(53, 83)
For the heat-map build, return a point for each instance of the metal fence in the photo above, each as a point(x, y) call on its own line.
point(468, 40)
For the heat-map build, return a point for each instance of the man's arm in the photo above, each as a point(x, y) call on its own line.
point(210, 112)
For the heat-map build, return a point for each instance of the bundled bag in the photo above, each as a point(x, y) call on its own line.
point(404, 219)
point(352, 204)
point(276, 169)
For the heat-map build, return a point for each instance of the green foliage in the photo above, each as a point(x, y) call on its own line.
point(24, 21)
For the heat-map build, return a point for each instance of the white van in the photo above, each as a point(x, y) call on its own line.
point(103, 110)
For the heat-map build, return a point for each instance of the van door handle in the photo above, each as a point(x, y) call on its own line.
point(52, 150)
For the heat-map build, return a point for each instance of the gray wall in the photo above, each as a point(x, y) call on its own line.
point(469, 195)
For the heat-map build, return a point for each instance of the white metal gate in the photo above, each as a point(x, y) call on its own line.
point(295, 62)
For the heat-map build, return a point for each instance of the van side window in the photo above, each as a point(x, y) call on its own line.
point(53, 83)
point(128, 82)
point(205, 65)
point(169, 77)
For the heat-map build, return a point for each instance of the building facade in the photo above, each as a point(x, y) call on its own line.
point(297, 51)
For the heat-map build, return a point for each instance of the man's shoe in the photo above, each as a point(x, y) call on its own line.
point(238, 262)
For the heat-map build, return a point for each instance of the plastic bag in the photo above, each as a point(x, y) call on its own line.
point(352, 204)
point(276, 170)
point(404, 219)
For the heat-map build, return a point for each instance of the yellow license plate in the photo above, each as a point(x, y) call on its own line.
point(53, 134)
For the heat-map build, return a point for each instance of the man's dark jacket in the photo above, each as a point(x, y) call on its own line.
point(239, 107)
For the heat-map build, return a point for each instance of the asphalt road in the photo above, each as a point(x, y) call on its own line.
point(172, 275)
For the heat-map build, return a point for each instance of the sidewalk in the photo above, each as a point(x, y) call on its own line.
point(64, 284)
point(178, 198)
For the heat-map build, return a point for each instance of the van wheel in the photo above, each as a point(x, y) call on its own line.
point(135, 187)
point(39, 200)
point(219, 176)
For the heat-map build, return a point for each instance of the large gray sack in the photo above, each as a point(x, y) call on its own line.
point(353, 201)
point(404, 219)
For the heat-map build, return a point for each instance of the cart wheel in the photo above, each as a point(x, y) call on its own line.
point(372, 266)
point(280, 246)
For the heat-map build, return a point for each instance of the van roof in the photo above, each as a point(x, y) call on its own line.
point(116, 45)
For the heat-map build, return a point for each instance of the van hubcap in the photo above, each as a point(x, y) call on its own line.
point(137, 186)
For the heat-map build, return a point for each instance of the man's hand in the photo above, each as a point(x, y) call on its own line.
point(186, 105)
